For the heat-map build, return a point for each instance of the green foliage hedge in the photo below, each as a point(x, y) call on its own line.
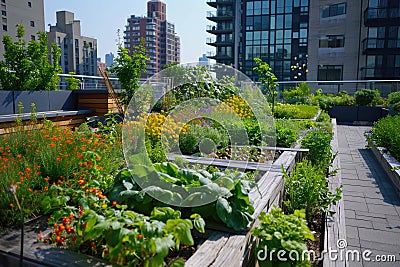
point(295, 111)
point(385, 133)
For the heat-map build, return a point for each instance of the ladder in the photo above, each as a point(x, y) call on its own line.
point(111, 91)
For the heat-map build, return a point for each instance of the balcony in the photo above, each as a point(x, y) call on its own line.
point(373, 43)
point(219, 15)
point(214, 3)
point(380, 73)
point(381, 15)
point(214, 29)
point(380, 43)
point(218, 42)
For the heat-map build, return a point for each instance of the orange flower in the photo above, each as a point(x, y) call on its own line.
point(28, 170)
point(37, 150)
point(58, 159)
point(11, 205)
point(52, 145)
point(30, 190)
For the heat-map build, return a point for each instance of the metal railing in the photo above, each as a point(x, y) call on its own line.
point(385, 87)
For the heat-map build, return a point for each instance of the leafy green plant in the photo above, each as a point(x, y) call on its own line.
point(301, 94)
point(327, 101)
point(114, 232)
point(27, 67)
point(394, 101)
point(189, 142)
point(307, 188)
point(367, 97)
point(280, 232)
point(288, 111)
point(72, 82)
point(233, 207)
point(318, 143)
point(129, 69)
point(285, 137)
point(267, 79)
point(385, 133)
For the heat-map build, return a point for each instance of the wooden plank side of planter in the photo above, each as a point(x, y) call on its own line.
point(335, 225)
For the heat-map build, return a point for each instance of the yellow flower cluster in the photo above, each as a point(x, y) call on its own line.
point(238, 105)
point(157, 124)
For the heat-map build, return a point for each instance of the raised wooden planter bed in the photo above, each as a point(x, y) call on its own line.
point(389, 164)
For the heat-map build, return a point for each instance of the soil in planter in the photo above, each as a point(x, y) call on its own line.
point(317, 226)
point(252, 154)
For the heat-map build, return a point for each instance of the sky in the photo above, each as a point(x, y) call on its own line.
point(101, 19)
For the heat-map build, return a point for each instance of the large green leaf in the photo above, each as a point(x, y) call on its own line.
point(164, 213)
point(198, 222)
point(224, 210)
point(180, 228)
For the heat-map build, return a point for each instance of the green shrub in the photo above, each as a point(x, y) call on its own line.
point(72, 82)
point(367, 97)
point(307, 188)
point(394, 100)
point(323, 117)
point(318, 143)
point(327, 101)
point(285, 137)
point(385, 133)
point(280, 232)
point(295, 111)
point(189, 142)
point(301, 94)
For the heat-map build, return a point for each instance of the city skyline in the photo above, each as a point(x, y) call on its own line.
point(96, 24)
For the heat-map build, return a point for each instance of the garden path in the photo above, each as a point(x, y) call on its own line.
point(371, 203)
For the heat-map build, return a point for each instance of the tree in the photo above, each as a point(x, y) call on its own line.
point(267, 79)
point(44, 75)
point(129, 69)
point(27, 67)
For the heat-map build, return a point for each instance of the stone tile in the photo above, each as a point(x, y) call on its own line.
point(383, 208)
point(384, 237)
point(385, 227)
point(354, 199)
point(352, 232)
point(371, 219)
point(350, 214)
point(359, 223)
point(357, 206)
point(353, 242)
point(378, 246)
point(352, 193)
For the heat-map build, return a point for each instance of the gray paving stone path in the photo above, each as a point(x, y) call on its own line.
point(372, 205)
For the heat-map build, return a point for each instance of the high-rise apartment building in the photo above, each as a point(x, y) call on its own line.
point(30, 14)
point(78, 53)
point(162, 43)
point(109, 59)
point(309, 40)
point(274, 30)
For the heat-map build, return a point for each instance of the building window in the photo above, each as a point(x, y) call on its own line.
point(330, 72)
point(5, 28)
point(333, 10)
point(32, 23)
point(332, 41)
point(29, 4)
point(3, 1)
point(4, 13)
point(33, 38)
